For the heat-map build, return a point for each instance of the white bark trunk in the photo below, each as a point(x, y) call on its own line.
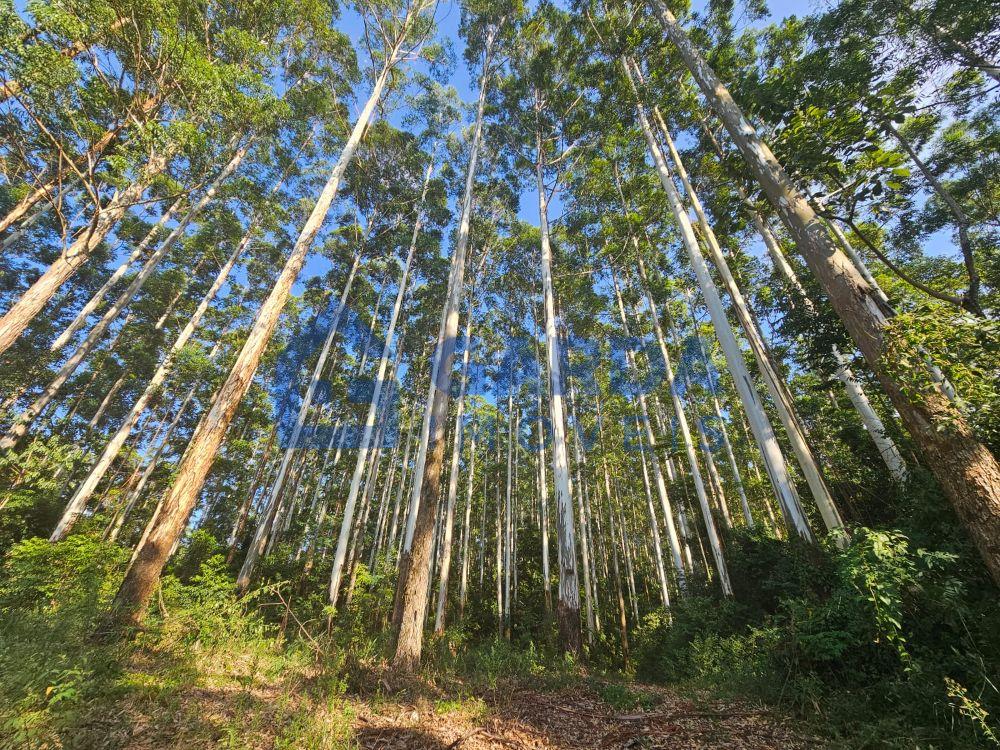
point(352, 494)
point(569, 586)
point(456, 455)
point(86, 489)
point(759, 423)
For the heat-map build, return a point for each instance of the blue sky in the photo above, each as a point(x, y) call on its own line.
point(448, 17)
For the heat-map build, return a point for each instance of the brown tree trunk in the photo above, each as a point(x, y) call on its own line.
point(412, 588)
point(22, 312)
point(965, 468)
point(166, 526)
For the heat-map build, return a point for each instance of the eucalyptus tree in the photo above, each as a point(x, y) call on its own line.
point(156, 65)
point(542, 101)
point(398, 33)
point(482, 26)
point(966, 469)
point(439, 112)
point(493, 214)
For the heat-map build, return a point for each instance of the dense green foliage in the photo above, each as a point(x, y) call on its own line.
point(117, 122)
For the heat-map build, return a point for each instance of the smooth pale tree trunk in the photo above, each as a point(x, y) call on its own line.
point(136, 492)
point(106, 402)
point(568, 602)
point(717, 409)
point(714, 480)
point(370, 417)
point(759, 422)
point(587, 552)
point(100, 294)
point(23, 421)
point(22, 312)
point(86, 489)
point(165, 528)
point(151, 464)
point(456, 455)
point(271, 505)
point(11, 237)
point(647, 428)
point(382, 520)
point(780, 394)
point(622, 619)
point(466, 526)
point(631, 558)
point(263, 464)
point(543, 488)
point(414, 576)
point(859, 399)
point(508, 534)
point(968, 473)
point(95, 371)
point(661, 571)
point(692, 456)
point(397, 504)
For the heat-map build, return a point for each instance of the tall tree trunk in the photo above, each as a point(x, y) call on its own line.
point(587, 551)
point(647, 427)
point(543, 486)
point(166, 527)
point(661, 571)
point(412, 585)
point(873, 423)
point(568, 602)
point(717, 408)
point(508, 524)
point(456, 455)
point(369, 424)
point(255, 484)
point(967, 471)
point(466, 526)
point(23, 421)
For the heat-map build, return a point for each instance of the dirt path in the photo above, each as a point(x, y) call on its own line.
point(571, 718)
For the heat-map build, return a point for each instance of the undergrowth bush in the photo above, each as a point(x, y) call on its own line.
point(878, 641)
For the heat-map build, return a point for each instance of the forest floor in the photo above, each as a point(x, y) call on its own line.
point(573, 717)
point(222, 699)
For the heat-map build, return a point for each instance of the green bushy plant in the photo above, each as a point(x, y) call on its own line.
point(50, 597)
point(879, 639)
